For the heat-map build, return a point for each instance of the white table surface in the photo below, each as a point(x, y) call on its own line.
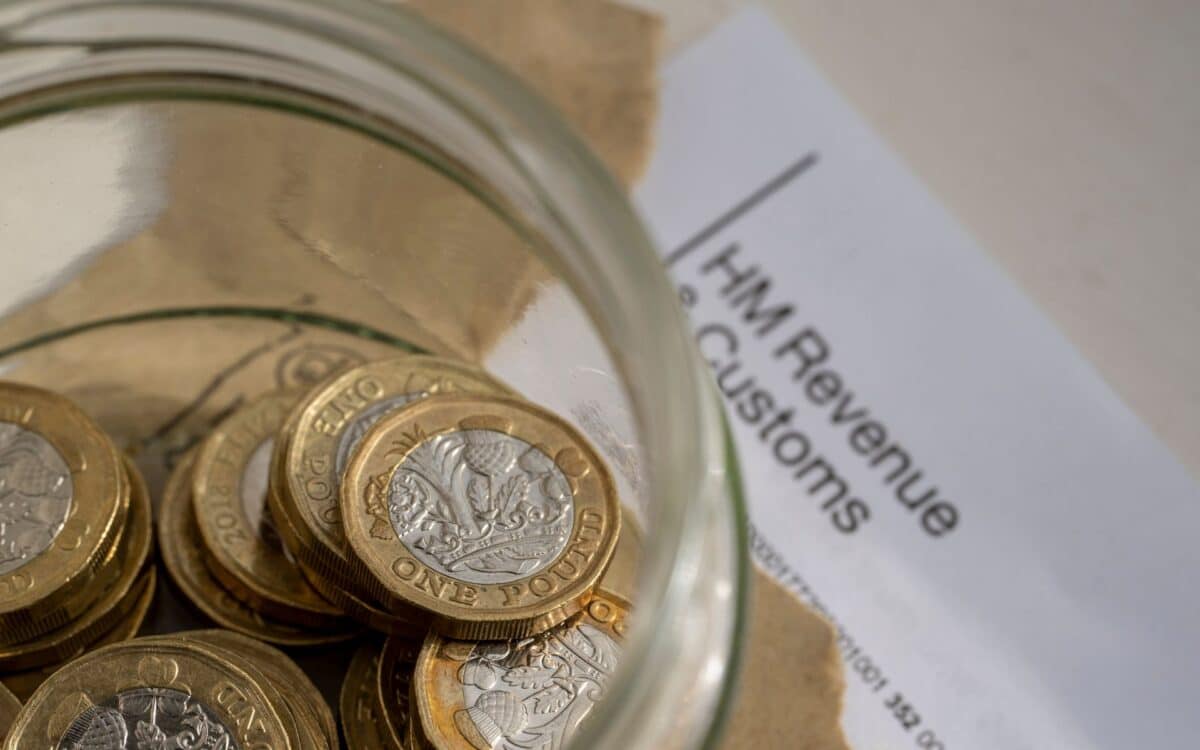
point(1063, 136)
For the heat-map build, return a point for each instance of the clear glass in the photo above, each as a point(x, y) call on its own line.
point(189, 188)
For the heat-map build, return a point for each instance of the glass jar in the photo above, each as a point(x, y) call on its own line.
point(184, 185)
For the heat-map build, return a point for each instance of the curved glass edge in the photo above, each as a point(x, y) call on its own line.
point(743, 584)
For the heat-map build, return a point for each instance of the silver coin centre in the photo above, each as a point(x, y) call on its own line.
point(535, 693)
point(362, 424)
point(255, 476)
point(481, 506)
point(144, 718)
point(35, 495)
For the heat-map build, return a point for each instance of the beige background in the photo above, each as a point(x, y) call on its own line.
point(1064, 135)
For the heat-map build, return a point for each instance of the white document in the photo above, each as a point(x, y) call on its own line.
point(1009, 555)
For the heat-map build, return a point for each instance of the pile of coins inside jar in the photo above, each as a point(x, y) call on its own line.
point(75, 537)
point(414, 498)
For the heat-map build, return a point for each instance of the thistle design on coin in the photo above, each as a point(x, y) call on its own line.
point(147, 719)
point(536, 692)
point(482, 505)
point(35, 495)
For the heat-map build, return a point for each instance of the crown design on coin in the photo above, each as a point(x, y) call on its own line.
point(478, 504)
point(147, 719)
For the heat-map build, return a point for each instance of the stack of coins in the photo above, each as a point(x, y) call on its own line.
point(228, 559)
point(450, 694)
point(75, 537)
point(480, 521)
point(419, 497)
point(206, 689)
point(311, 458)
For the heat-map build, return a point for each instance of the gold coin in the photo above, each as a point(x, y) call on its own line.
point(229, 494)
point(112, 606)
point(9, 708)
point(361, 710)
point(530, 693)
point(301, 735)
point(492, 515)
point(105, 576)
point(291, 681)
point(22, 684)
point(150, 691)
point(184, 560)
point(64, 497)
point(394, 687)
point(324, 431)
